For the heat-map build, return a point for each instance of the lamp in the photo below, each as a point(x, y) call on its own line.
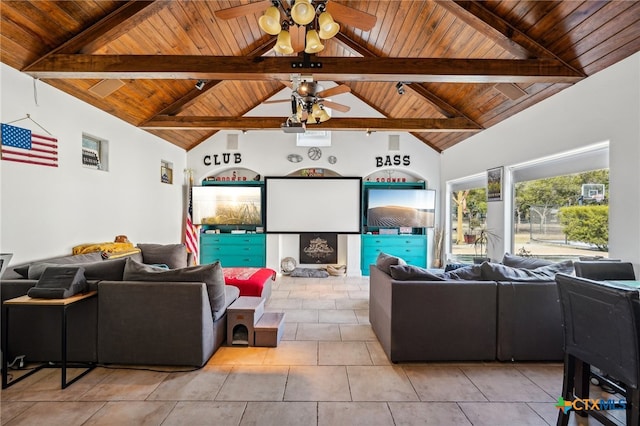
point(314, 45)
point(303, 12)
point(319, 114)
point(283, 44)
point(328, 27)
point(270, 21)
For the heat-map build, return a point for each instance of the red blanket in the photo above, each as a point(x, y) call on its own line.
point(250, 281)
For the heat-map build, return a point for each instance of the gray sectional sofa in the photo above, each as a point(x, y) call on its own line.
point(422, 315)
point(143, 314)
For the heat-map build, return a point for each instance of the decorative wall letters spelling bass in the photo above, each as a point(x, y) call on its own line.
point(224, 158)
point(393, 160)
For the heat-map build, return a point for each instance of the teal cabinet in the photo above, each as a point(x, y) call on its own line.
point(411, 248)
point(233, 249)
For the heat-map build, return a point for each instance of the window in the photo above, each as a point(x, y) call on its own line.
point(467, 205)
point(95, 153)
point(560, 206)
point(166, 172)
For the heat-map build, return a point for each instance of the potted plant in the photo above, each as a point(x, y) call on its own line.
point(470, 236)
point(481, 245)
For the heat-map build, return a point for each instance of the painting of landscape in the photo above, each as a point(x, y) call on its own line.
point(401, 208)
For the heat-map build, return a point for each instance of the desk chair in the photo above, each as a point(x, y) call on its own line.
point(603, 270)
point(600, 325)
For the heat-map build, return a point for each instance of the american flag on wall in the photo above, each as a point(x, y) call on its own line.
point(24, 146)
point(191, 231)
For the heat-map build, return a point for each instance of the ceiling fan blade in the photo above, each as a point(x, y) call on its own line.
point(243, 10)
point(337, 107)
point(297, 38)
point(338, 90)
point(350, 16)
point(277, 101)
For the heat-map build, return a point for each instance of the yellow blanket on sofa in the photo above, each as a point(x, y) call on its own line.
point(108, 248)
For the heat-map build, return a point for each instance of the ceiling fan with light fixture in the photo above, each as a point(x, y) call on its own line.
point(303, 26)
point(309, 103)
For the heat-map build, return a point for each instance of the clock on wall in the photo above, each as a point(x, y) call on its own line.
point(314, 153)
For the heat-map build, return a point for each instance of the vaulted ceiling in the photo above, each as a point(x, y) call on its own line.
point(465, 65)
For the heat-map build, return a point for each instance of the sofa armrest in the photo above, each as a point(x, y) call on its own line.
point(154, 323)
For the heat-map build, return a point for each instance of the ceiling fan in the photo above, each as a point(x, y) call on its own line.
point(308, 100)
point(302, 26)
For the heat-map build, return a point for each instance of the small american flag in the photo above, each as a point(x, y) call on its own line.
point(191, 231)
point(23, 146)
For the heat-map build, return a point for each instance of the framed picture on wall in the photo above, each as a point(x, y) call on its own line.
point(321, 248)
point(494, 184)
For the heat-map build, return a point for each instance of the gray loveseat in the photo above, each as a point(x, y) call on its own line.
point(424, 318)
point(160, 317)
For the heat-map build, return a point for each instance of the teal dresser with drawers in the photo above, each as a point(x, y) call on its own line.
point(411, 248)
point(233, 249)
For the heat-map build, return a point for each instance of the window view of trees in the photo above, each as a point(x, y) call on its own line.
point(563, 216)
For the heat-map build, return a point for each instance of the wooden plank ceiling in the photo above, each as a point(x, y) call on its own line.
point(465, 65)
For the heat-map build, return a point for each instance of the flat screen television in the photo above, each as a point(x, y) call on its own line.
point(394, 208)
point(227, 205)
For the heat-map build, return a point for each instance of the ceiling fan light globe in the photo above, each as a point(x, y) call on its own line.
point(283, 44)
point(313, 45)
point(302, 12)
point(328, 27)
point(270, 21)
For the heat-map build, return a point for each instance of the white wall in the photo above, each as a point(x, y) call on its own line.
point(266, 153)
point(45, 211)
point(603, 107)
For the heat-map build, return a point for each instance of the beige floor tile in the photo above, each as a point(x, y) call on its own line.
point(125, 385)
point(378, 357)
point(362, 294)
point(547, 376)
point(290, 331)
point(57, 413)
point(44, 385)
point(427, 413)
point(380, 383)
point(198, 413)
point(293, 353)
point(203, 384)
point(310, 331)
point(318, 304)
point(501, 414)
point(131, 412)
point(352, 304)
point(337, 316)
point(238, 355)
point(279, 294)
point(285, 303)
point(362, 315)
point(280, 414)
point(301, 315)
point(343, 353)
point(505, 383)
point(442, 383)
point(354, 414)
point(356, 332)
point(254, 383)
point(319, 383)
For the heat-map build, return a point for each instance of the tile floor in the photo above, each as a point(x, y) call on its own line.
point(329, 370)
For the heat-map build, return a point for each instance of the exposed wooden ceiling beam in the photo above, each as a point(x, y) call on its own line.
point(355, 123)
point(500, 31)
point(280, 68)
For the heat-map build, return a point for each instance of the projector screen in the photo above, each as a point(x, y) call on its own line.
point(301, 204)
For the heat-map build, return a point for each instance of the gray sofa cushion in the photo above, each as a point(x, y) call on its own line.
point(413, 273)
point(384, 262)
point(468, 273)
point(23, 270)
point(210, 274)
point(172, 255)
point(499, 272)
point(524, 262)
point(110, 270)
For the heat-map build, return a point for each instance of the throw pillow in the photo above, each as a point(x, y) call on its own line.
point(384, 262)
point(413, 273)
point(108, 270)
point(60, 282)
point(173, 255)
point(498, 272)
point(453, 266)
point(210, 274)
point(468, 273)
point(309, 273)
point(63, 260)
point(524, 262)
